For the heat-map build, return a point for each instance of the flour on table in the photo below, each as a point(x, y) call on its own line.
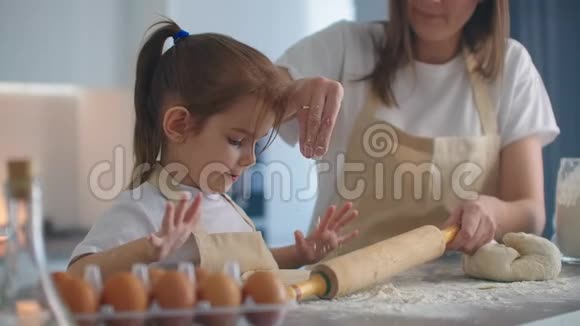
point(440, 292)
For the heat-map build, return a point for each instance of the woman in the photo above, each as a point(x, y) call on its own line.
point(442, 122)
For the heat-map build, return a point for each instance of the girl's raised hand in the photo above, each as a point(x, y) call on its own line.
point(326, 237)
point(178, 224)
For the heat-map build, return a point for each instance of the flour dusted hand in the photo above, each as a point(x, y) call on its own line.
point(178, 224)
point(522, 257)
point(315, 102)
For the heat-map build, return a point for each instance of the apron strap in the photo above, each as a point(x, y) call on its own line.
point(170, 191)
point(240, 211)
point(481, 95)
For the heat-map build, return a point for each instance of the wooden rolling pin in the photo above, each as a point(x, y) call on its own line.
point(376, 263)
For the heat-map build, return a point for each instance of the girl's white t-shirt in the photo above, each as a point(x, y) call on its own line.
point(434, 100)
point(134, 214)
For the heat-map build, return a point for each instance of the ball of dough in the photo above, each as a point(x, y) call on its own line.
point(522, 257)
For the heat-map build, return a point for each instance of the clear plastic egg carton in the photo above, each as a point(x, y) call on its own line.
point(248, 313)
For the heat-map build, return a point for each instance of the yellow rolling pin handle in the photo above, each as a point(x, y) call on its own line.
point(318, 285)
point(450, 233)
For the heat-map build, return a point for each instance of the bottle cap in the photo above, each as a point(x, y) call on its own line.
point(20, 178)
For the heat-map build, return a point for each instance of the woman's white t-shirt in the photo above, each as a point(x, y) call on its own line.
point(434, 100)
point(139, 212)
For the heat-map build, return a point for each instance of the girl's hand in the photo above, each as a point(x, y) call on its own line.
point(178, 224)
point(315, 102)
point(477, 224)
point(325, 237)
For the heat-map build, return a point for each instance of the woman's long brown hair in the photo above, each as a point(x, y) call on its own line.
point(485, 35)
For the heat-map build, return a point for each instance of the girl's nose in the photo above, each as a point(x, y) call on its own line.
point(248, 158)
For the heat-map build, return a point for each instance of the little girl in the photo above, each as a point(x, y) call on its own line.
point(200, 109)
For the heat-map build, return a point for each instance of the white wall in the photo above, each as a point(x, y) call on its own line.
point(67, 132)
point(86, 43)
point(138, 16)
point(95, 43)
point(60, 41)
point(371, 10)
point(69, 129)
point(270, 26)
point(104, 141)
point(40, 123)
point(258, 23)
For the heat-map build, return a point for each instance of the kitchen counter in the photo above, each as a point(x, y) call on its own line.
point(439, 293)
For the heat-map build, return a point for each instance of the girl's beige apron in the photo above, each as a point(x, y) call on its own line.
point(215, 249)
point(410, 181)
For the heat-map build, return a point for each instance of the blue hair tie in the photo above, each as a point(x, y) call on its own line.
point(179, 35)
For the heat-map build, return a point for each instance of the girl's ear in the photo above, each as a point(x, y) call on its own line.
point(177, 123)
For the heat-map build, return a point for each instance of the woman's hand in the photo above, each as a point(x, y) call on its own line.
point(178, 224)
point(477, 223)
point(315, 102)
point(326, 237)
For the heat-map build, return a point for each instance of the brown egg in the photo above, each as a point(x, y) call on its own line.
point(174, 290)
point(77, 294)
point(59, 277)
point(220, 290)
point(200, 275)
point(154, 275)
point(125, 292)
point(265, 288)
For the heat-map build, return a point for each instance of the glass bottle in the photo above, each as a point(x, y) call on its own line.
point(27, 294)
point(567, 212)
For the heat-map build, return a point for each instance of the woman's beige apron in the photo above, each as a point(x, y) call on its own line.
point(410, 181)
